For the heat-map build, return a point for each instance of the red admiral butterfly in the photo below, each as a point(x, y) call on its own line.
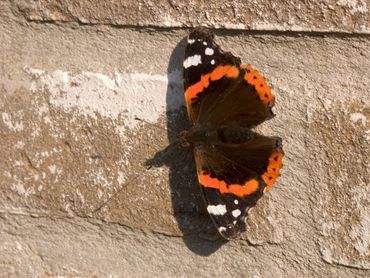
point(225, 99)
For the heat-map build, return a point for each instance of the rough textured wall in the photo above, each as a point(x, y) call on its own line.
point(77, 197)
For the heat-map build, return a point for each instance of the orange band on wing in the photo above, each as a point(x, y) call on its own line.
point(254, 78)
point(216, 74)
point(240, 190)
point(273, 168)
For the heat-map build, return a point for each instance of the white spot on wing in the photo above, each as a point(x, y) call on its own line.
point(204, 43)
point(191, 41)
point(236, 212)
point(192, 61)
point(217, 210)
point(213, 62)
point(236, 202)
point(209, 51)
point(221, 229)
point(234, 222)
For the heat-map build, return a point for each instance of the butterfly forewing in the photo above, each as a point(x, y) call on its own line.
point(219, 88)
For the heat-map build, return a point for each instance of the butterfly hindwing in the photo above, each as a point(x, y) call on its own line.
point(233, 179)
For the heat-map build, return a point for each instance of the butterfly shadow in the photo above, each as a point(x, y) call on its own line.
point(199, 233)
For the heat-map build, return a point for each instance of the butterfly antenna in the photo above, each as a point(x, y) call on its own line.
point(114, 194)
point(144, 121)
point(159, 159)
point(172, 146)
point(164, 154)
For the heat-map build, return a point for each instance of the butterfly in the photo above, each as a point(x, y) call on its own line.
point(225, 99)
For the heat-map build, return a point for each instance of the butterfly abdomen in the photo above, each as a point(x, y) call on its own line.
point(238, 135)
point(218, 136)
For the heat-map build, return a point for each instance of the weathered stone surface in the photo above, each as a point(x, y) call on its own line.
point(343, 173)
point(323, 16)
point(86, 189)
point(76, 247)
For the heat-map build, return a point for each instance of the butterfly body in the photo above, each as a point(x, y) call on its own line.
point(225, 100)
point(211, 136)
